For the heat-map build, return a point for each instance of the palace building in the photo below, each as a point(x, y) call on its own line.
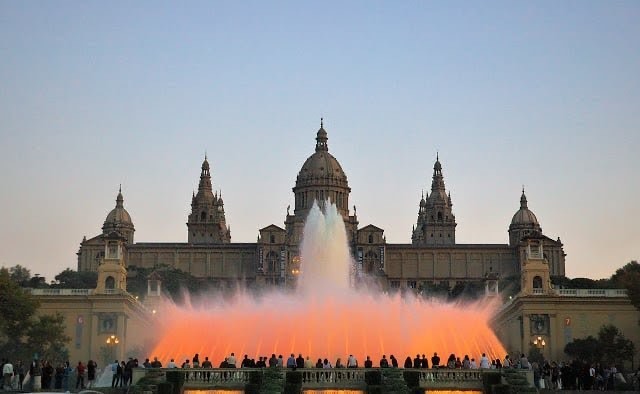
point(432, 256)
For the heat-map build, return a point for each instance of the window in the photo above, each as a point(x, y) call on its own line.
point(412, 284)
point(203, 216)
point(272, 262)
point(439, 216)
point(272, 238)
point(395, 284)
point(537, 282)
point(110, 283)
point(370, 262)
point(370, 238)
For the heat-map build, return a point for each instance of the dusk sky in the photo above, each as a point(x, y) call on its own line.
point(94, 94)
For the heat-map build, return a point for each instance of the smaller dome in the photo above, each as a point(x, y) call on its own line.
point(119, 215)
point(525, 216)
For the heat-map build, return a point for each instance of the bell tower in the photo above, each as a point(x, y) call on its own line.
point(536, 279)
point(112, 274)
point(436, 222)
point(206, 223)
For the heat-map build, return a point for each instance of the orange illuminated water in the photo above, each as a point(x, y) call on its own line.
point(326, 317)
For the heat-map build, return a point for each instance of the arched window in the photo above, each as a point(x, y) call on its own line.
point(370, 262)
point(203, 216)
point(110, 283)
point(537, 282)
point(439, 216)
point(272, 238)
point(370, 238)
point(272, 262)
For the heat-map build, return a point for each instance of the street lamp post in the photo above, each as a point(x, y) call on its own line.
point(112, 342)
point(540, 343)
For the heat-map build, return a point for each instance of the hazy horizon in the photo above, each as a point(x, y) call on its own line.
point(544, 94)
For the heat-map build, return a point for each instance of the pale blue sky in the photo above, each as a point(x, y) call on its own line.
point(544, 93)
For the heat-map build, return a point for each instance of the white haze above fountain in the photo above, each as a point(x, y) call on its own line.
point(325, 258)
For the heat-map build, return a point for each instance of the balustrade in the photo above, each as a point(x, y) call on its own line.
point(314, 378)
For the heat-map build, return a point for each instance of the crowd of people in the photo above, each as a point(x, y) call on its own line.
point(42, 375)
point(576, 375)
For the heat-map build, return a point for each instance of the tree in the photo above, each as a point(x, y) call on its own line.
point(586, 349)
point(615, 347)
point(20, 274)
point(22, 333)
point(70, 279)
point(610, 347)
point(629, 277)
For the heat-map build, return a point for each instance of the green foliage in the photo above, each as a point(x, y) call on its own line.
point(20, 275)
point(517, 382)
point(440, 290)
point(373, 378)
point(616, 348)
point(294, 377)
point(629, 277)
point(176, 378)
point(22, 333)
point(273, 381)
point(489, 379)
point(467, 291)
point(587, 349)
point(165, 388)
point(611, 347)
point(46, 337)
point(174, 282)
point(412, 378)
point(70, 279)
point(393, 381)
point(509, 285)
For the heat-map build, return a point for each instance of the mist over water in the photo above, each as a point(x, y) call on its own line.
point(326, 261)
point(325, 316)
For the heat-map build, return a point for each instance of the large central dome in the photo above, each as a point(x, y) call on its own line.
point(321, 166)
point(320, 178)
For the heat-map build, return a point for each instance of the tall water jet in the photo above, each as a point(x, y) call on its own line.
point(325, 254)
point(324, 317)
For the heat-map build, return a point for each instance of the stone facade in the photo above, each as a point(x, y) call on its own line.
point(551, 318)
point(433, 255)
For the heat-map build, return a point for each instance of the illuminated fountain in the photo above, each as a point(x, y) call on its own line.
point(325, 317)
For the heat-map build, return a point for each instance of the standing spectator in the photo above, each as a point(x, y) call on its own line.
point(91, 372)
point(352, 362)
point(19, 370)
point(59, 376)
point(7, 373)
point(300, 361)
point(231, 361)
point(291, 362)
point(65, 376)
point(128, 371)
point(368, 363)
point(172, 364)
point(156, 363)
point(407, 362)
point(35, 371)
point(484, 362)
point(47, 375)
point(114, 374)
point(80, 371)
point(435, 361)
point(424, 363)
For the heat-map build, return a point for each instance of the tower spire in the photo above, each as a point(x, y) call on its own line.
point(119, 198)
point(523, 200)
point(321, 138)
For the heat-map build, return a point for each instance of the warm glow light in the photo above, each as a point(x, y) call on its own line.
point(363, 324)
point(325, 317)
